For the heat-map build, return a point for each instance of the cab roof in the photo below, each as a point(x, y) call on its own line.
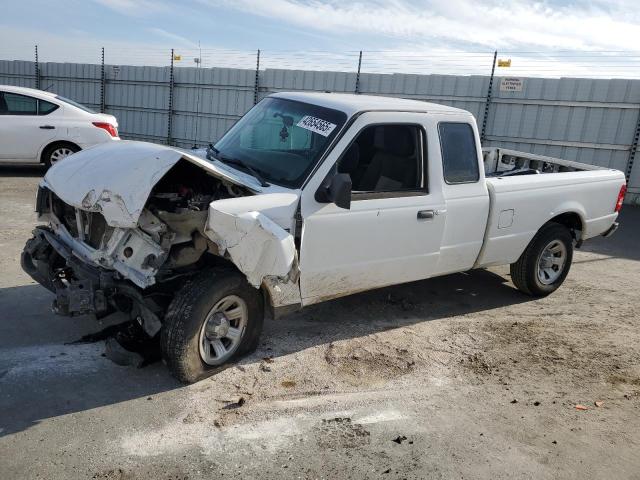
point(354, 103)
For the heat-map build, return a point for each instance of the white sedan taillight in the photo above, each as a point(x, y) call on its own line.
point(113, 131)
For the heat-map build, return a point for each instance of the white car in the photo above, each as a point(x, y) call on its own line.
point(308, 197)
point(42, 127)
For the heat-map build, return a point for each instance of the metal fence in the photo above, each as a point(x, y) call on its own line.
point(590, 120)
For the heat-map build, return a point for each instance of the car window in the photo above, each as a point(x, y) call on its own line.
point(459, 154)
point(45, 108)
point(385, 158)
point(20, 104)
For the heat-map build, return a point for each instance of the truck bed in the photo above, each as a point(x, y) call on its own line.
point(524, 196)
point(501, 162)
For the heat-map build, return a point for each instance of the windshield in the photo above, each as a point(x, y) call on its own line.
point(75, 104)
point(281, 139)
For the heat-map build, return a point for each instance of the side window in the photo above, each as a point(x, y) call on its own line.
point(20, 104)
point(45, 108)
point(459, 155)
point(385, 158)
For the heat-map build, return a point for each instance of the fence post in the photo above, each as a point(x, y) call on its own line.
point(37, 65)
point(357, 90)
point(488, 101)
point(170, 112)
point(256, 87)
point(634, 149)
point(103, 81)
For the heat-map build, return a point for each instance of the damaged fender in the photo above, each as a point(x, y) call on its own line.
point(257, 245)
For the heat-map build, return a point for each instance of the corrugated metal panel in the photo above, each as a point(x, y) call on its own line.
point(18, 73)
point(139, 98)
point(79, 82)
point(207, 102)
point(275, 80)
point(468, 93)
point(588, 120)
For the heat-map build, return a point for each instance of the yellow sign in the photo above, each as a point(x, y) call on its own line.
point(177, 57)
point(504, 63)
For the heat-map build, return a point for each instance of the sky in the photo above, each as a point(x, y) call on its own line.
point(459, 36)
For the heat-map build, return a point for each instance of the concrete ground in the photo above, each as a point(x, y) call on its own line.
point(454, 377)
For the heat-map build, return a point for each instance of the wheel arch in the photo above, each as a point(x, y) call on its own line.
point(56, 143)
point(571, 219)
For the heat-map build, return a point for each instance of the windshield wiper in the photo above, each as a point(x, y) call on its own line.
point(214, 154)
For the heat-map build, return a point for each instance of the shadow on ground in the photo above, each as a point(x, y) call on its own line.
point(41, 376)
point(22, 171)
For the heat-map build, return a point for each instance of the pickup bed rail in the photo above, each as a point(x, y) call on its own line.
point(498, 161)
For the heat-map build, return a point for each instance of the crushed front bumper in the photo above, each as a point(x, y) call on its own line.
point(80, 288)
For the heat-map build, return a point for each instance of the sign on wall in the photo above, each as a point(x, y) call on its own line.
point(511, 84)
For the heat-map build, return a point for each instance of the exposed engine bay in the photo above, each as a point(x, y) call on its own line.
point(96, 268)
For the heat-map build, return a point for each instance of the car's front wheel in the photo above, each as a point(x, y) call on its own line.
point(215, 318)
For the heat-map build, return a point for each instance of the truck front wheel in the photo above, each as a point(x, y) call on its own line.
point(215, 318)
point(545, 263)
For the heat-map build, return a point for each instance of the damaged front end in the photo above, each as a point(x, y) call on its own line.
point(128, 245)
point(82, 288)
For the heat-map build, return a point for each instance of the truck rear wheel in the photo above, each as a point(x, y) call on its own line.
point(546, 261)
point(215, 318)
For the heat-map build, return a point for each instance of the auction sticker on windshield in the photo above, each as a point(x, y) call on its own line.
point(316, 125)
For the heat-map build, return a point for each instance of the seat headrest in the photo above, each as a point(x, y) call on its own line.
point(395, 140)
point(350, 159)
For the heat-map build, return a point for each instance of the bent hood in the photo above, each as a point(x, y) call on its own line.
point(116, 178)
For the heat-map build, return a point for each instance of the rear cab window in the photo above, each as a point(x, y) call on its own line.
point(459, 153)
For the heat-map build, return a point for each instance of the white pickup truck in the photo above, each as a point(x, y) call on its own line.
point(308, 197)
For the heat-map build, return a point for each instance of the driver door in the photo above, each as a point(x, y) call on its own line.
point(393, 230)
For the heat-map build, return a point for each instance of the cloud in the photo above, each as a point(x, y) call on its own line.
point(134, 8)
point(492, 24)
point(77, 47)
point(173, 37)
point(436, 36)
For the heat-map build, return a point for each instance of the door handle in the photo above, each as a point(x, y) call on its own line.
point(47, 127)
point(425, 214)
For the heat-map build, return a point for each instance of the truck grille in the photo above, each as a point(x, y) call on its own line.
point(88, 227)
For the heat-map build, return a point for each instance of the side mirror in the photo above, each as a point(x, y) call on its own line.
point(335, 189)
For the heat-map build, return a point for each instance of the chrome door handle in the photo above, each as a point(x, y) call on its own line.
point(47, 127)
point(425, 214)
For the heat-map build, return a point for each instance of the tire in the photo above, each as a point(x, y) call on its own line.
point(56, 152)
point(546, 261)
point(193, 329)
